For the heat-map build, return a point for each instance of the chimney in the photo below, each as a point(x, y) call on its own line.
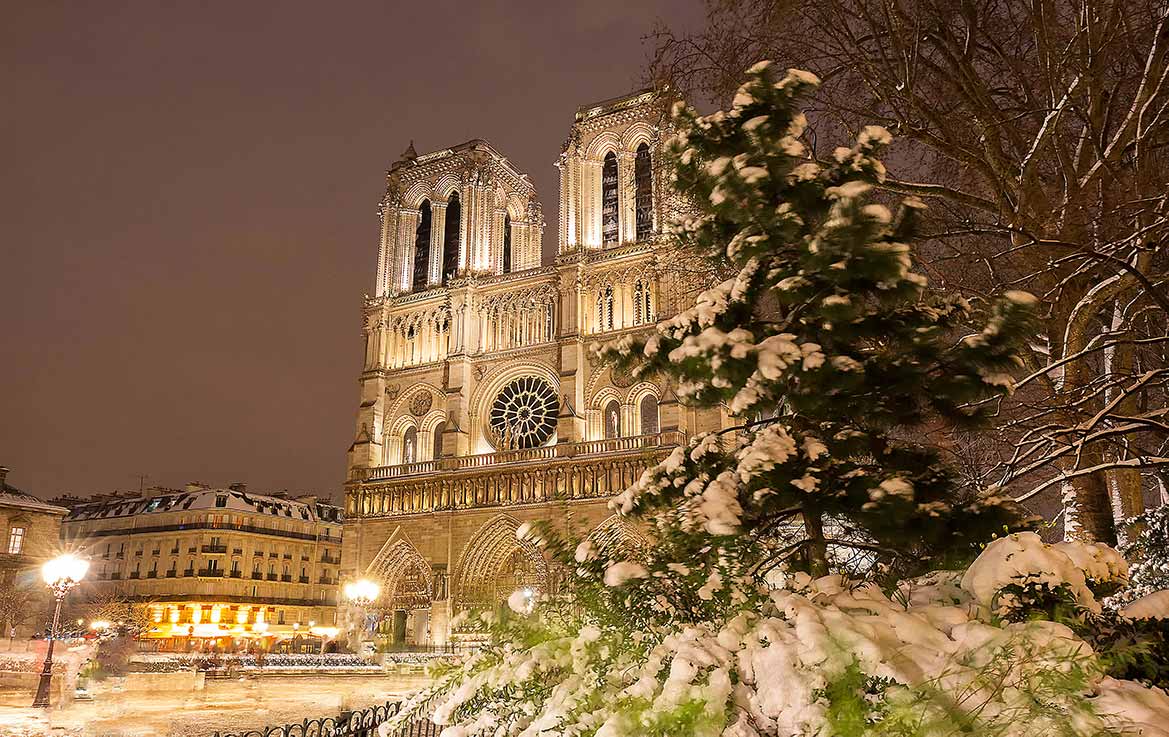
point(3, 476)
point(239, 486)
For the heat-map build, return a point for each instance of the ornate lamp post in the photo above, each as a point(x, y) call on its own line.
point(61, 574)
point(361, 594)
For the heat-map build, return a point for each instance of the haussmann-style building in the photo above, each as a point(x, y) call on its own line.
point(480, 406)
point(29, 536)
point(222, 568)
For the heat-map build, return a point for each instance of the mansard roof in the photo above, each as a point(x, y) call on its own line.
point(158, 501)
point(10, 496)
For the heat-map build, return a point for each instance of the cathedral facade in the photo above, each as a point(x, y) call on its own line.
point(481, 407)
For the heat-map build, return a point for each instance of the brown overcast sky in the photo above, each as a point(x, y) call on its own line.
point(188, 211)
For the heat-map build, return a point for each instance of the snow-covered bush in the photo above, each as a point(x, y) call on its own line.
point(747, 616)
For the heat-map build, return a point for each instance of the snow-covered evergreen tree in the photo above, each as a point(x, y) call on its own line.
point(1148, 556)
point(827, 321)
point(728, 624)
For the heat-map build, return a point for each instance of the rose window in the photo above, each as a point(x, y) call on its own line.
point(524, 414)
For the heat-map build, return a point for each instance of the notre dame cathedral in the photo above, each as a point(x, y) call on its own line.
point(480, 406)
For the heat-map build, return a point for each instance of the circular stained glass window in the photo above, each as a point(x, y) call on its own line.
point(524, 414)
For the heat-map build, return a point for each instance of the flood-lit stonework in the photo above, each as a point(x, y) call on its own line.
point(480, 407)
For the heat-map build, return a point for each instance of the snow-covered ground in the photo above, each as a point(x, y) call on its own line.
point(222, 706)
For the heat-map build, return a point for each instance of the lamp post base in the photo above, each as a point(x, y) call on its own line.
point(43, 688)
point(46, 682)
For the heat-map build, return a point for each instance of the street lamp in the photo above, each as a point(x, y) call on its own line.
point(361, 594)
point(61, 574)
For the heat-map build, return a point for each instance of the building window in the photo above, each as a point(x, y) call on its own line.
point(642, 302)
point(410, 445)
point(649, 415)
point(16, 541)
point(422, 247)
point(450, 247)
point(612, 420)
point(609, 217)
point(221, 500)
point(643, 192)
point(506, 243)
point(605, 308)
point(438, 430)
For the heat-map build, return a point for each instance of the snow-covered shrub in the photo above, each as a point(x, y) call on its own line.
point(736, 621)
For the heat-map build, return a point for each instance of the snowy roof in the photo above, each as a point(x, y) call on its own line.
point(10, 496)
point(158, 501)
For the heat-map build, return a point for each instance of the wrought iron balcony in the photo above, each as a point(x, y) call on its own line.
point(211, 572)
point(214, 548)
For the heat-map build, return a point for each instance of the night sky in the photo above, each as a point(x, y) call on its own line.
point(188, 201)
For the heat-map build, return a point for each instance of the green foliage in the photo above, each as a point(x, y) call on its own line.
point(826, 318)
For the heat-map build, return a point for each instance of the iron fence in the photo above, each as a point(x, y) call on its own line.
point(363, 723)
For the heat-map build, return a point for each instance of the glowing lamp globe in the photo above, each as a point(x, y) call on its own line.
point(363, 592)
point(64, 571)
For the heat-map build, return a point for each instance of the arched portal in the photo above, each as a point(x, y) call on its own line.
point(407, 593)
point(495, 564)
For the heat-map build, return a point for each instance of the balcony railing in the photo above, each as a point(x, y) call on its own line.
point(237, 574)
point(152, 574)
point(562, 450)
point(212, 572)
point(326, 558)
point(271, 576)
point(172, 573)
point(214, 548)
point(304, 579)
point(237, 551)
point(134, 574)
point(174, 551)
point(592, 469)
point(286, 579)
point(115, 577)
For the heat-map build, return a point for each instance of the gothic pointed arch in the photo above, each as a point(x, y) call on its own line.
point(406, 578)
point(604, 142)
point(494, 564)
point(617, 538)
